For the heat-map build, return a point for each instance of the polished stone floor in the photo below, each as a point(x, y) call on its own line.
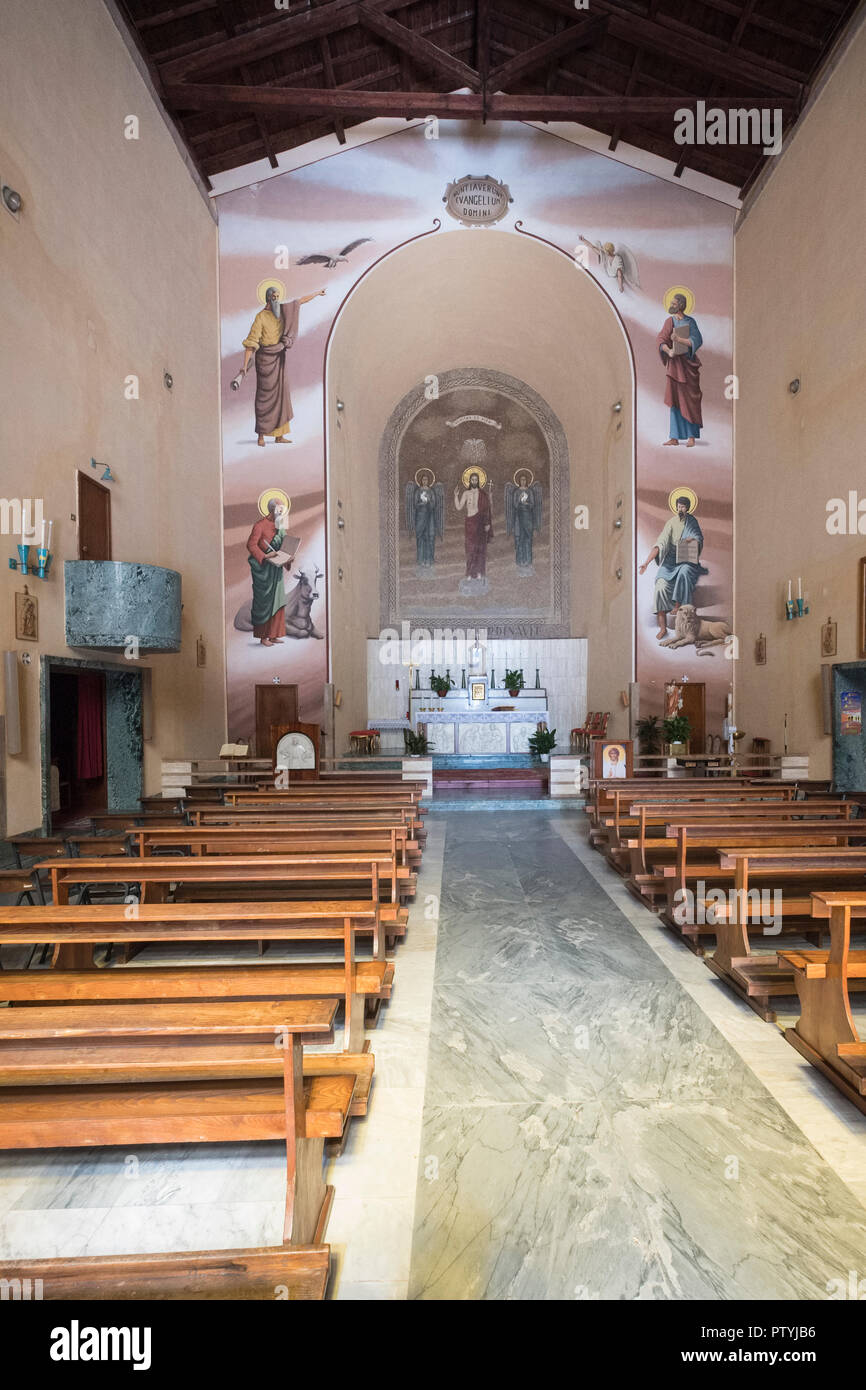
point(588, 1131)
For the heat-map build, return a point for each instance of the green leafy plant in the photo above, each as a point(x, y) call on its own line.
point(677, 729)
point(542, 741)
point(441, 685)
point(416, 745)
point(649, 733)
point(513, 682)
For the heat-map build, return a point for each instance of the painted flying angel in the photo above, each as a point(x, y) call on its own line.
point(425, 514)
point(318, 258)
point(523, 508)
point(618, 262)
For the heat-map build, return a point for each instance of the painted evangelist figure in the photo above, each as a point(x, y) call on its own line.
point(425, 515)
point(678, 343)
point(523, 508)
point(267, 561)
point(677, 553)
point(272, 333)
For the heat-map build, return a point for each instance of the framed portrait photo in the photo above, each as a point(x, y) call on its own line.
point(612, 759)
point(26, 617)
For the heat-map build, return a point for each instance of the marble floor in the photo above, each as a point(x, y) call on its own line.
point(590, 1131)
point(567, 1105)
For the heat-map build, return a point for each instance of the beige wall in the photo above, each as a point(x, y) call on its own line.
point(463, 299)
point(800, 297)
point(110, 271)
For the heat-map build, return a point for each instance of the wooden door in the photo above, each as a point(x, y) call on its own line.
point(275, 704)
point(94, 519)
point(693, 696)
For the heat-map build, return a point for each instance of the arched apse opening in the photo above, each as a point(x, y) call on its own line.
point(501, 303)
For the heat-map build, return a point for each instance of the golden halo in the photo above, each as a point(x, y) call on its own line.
point(467, 474)
point(274, 492)
point(266, 285)
point(425, 470)
point(518, 471)
point(685, 292)
point(683, 492)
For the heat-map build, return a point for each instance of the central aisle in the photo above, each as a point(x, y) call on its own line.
point(587, 1131)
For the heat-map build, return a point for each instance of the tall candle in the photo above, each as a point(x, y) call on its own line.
point(43, 533)
point(799, 588)
point(789, 590)
point(48, 541)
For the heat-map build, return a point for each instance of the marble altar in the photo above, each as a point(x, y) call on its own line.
point(455, 724)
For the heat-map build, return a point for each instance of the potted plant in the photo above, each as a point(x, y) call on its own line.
point(514, 683)
point(676, 731)
point(649, 733)
point(441, 685)
point(415, 744)
point(542, 744)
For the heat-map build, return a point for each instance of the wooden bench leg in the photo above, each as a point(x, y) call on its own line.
point(353, 1029)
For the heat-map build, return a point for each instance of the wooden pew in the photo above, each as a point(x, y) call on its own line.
point(688, 832)
point(287, 874)
point(360, 985)
point(122, 820)
point(629, 816)
point(327, 816)
point(826, 1033)
point(22, 882)
point(292, 839)
point(655, 859)
point(33, 847)
point(74, 930)
point(96, 1075)
point(797, 873)
point(302, 1270)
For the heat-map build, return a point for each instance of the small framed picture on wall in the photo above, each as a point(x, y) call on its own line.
point(26, 617)
point(828, 638)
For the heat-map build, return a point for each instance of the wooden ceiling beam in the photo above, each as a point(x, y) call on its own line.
point(275, 36)
point(328, 68)
point(580, 35)
point(420, 50)
point(675, 41)
point(460, 106)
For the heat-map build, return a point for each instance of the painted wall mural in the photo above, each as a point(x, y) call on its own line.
point(292, 247)
point(474, 498)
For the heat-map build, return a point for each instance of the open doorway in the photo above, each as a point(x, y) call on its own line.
point(92, 738)
point(77, 752)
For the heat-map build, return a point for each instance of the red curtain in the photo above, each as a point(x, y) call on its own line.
point(91, 725)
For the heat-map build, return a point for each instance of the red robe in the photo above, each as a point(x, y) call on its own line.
point(476, 537)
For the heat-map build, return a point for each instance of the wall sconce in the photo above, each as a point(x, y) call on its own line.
point(619, 573)
point(43, 554)
point(167, 380)
point(11, 200)
point(799, 607)
point(107, 476)
point(340, 404)
point(617, 525)
point(617, 407)
point(794, 386)
point(341, 523)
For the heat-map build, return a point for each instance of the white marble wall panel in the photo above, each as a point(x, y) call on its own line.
point(562, 671)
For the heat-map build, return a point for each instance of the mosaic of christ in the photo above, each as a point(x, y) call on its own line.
point(475, 517)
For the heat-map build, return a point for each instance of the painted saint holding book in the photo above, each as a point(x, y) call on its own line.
point(678, 344)
point(677, 553)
